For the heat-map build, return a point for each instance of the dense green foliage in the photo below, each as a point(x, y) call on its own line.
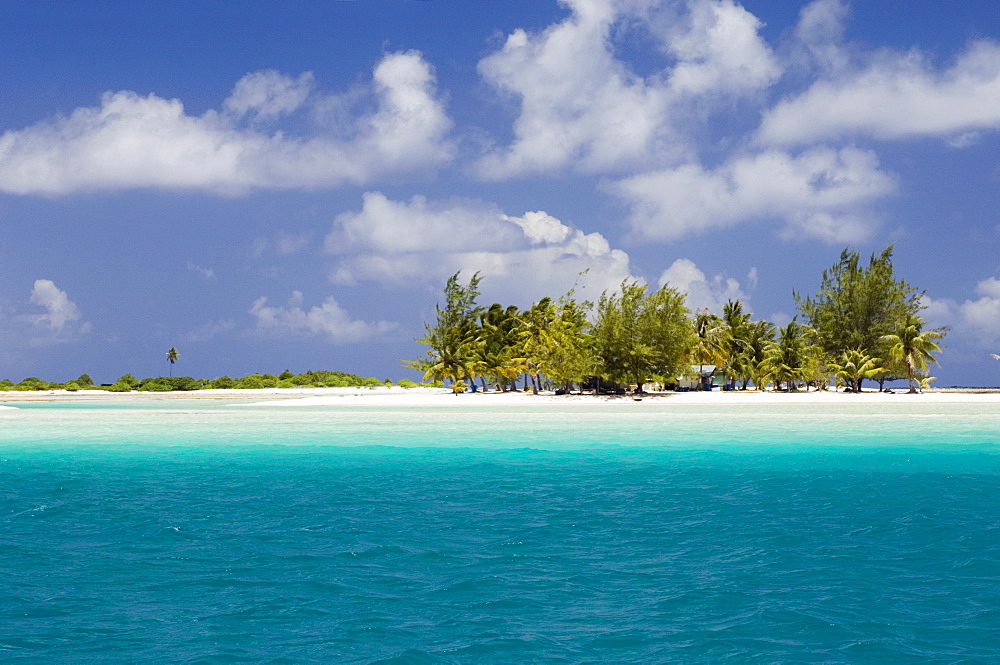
point(453, 339)
point(858, 315)
point(640, 337)
point(862, 324)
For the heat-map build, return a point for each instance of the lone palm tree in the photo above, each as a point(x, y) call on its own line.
point(173, 356)
point(914, 347)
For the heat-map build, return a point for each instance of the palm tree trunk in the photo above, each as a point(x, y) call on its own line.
point(911, 374)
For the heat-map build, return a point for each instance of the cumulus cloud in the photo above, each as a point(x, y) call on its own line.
point(719, 49)
point(420, 242)
point(704, 292)
point(61, 320)
point(132, 141)
point(897, 95)
point(578, 103)
point(328, 320)
point(819, 193)
point(979, 318)
point(582, 107)
point(974, 323)
point(59, 309)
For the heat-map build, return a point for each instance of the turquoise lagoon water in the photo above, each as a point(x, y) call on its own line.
point(194, 532)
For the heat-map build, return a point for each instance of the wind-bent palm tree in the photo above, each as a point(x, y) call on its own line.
point(498, 346)
point(173, 356)
point(449, 359)
point(914, 347)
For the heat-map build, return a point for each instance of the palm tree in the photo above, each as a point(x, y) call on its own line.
point(914, 347)
point(498, 345)
point(173, 356)
point(788, 357)
point(751, 361)
point(710, 347)
point(736, 327)
point(448, 360)
point(538, 343)
point(854, 366)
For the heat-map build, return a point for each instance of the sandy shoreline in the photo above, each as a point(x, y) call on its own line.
point(422, 397)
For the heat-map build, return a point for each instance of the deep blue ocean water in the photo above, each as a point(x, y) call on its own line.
point(216, 533)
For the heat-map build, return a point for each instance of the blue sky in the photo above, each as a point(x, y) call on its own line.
point(287, 185)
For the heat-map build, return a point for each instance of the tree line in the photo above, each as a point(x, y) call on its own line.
point(862, 324)
point(286, 379)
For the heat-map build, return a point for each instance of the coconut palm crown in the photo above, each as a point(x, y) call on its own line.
point(173, 356)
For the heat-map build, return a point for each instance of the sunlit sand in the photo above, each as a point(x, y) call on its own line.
point(418, 397)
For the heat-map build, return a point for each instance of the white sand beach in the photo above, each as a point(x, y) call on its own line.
point(423, 397)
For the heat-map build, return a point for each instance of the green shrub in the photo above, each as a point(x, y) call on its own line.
point(251, 382)
point(72, 386)
point(83, 381)
point(120, 386)
point(224, 382)
point(129, 380)
point(32, 383)
point(155, 386)
point(406, 383)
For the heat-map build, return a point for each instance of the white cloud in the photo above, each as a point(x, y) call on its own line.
point(420, 242)
point(896, 95)
point(60, 310)
point(719, 50)
point(819, 193)
point(391, 227)
point(820, 32)
point(979, 318)
point(583, 108)
point(540, 227)
point(974, 323)
point(329, 320)
point(269, 94)
point(133, 141)
point(702, 292)
point(579, 104)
